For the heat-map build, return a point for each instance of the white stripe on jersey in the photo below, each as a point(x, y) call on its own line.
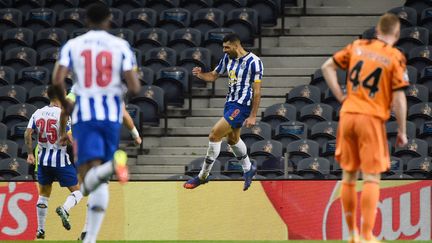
point(46, 123)
point(97, 60)
point(242, 72)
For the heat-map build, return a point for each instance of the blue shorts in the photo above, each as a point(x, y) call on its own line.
point(235, 114)
point(95, 140)
point(66, 176)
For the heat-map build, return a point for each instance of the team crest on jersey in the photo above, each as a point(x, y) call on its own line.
point(243, 65)
point(232, 78)
point(234, 114)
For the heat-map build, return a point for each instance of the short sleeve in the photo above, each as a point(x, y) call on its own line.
point(400, 73)
point(342, 57)
point(128, 59)
point(257, 71)
point(65, 58)
point(31, 124)
point(221, 67)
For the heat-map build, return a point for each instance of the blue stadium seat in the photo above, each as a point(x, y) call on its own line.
point(125, 34)
point(303, 95)
point(324, 131)
point(40, 18)
point(213, 41)
point(12, 94)
point(32, 76)
point(160, 5)
point(413, 37)
point(175, 83)
point(7, 75)
point(196, 57)
point(269, 10)
point(287, 132)
point(174, 18)
point(60, 5)
point(301, 149)
point(195, 5)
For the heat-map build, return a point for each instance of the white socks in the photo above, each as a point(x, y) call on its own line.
point(42, 209)
point(97, 205)
point(240, 151)
point(96, 176)
point(212, 153)
point(73, 199)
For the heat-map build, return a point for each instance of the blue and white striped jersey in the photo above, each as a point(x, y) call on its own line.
point(97, 60)
point(242, 72)
point(46, 123)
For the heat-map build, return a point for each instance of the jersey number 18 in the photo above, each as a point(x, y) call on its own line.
point(103, 68)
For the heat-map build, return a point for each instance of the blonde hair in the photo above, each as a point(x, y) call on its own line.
point(387, 23)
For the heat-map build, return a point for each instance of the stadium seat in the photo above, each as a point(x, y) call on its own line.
point(38, 96)
point(207, 18)
point(150, 100)
point(369, 33)
point(22, 178)
point(396, 167)
point(420, 168)
point(264, 150)
point(426, 21)
point(33, 76)
point(287, 132)
point(261, 131)
point(145, 75)
point(139, 19)
point(182, 39)
point(151, 38)
point(78, 32)
point(86, 3)
point(71, 19)
point(324, 131)
point(416, 93)
point(269, 10)
point(20, 57)
point(9, 18)
point(244, 21)
point(419, 113)
point(196, 57)
point(420, 57)
point(12, 167)
point(301, 149)
point(314, 113)
point(18, 113)
point(194, 167)
point(125, 34)
point(175, 83)
point(418, 5)
point(213, 41)
point(328, 149)
point(425, 132)
point(17, 37)
point(319, 81)
point(138, 55)
point(195, 5)
point(278, 113)
point(303, 95)
point(330, 100)
point(157, 58)
point(225, 153)
point(53, 37)
point(160, 5)
point(8, 149)
point(313, 168)
point(12, 94)
point(48, 57)
point(116, 18)
point(415, 148)
point(392, 131)
point(233, 169)
point(17, 133)
point(25, 5)
point(412, 74)
point(3, 131)
point(60, 5)
point(128, 5)
point(407, 16)
point(398, 177)
point(413, 37)
point(174, 18)
point(40, 18)
point(272, 167)
point(228, 5)
point(7, 75)
point(336, 170)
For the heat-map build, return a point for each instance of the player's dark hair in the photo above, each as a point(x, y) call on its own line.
point(232, 37)
point(52, 92)
point(97, 13)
